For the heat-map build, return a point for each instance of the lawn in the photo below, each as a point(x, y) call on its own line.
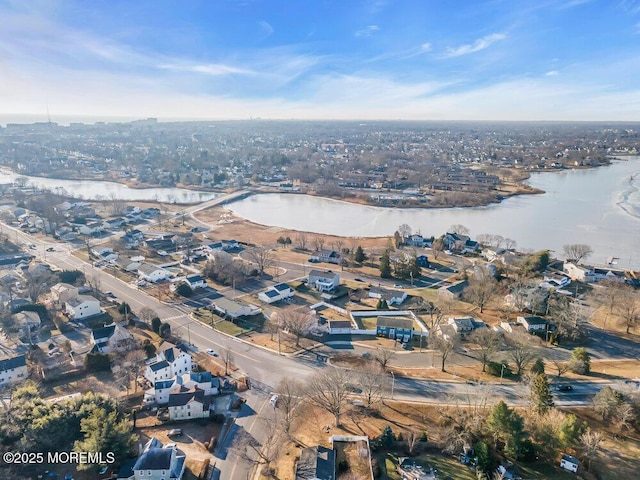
point(448, 468)
point(218, 323)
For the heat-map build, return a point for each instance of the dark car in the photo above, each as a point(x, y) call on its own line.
point(564, 388)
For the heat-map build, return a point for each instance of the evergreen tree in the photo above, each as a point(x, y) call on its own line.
point(540, 392)
point(387, 439)
point(359, 255)
point(382, 304)
point(580, 361)
point(537, 367)
point(385, 265)
point(155, 324)
point(105, 432)
point(506, 425)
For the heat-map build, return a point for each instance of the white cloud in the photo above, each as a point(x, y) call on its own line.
point(479, 44)
point(425, 47)
point(213, 69)
point(367, 31)
point(266, 28)
point(552, 73)
point(637, 27)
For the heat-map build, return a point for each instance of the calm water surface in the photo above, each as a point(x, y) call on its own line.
point(599, 207)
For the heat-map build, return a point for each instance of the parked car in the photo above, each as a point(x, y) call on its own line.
point(564, 388)
point(274, 400)
point(174, 432)
point(212, 352)
point(51, 249)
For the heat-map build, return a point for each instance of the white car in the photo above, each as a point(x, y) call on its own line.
point(274, 400)
point(212, 352)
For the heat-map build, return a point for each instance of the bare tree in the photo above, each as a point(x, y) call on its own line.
point(338, 245)
point(561, 367)
point(627, 308)
point(446, 345)
point(93, 282)
point(371, 380)
point(412, 438)
point(318, 242)
point(590, 442)
point(146, 315)
point(488, 343)
point(227, 358)
point(459, 229)
point(521, 351)
point(297, 322)
point(437, 247)
point(117, 204)
point(510, 244)
point(437, 313)
point(383, 357)
point(405, 231)
point(329, 389)
point(263, 257)
point(301, 240)
point(262, 454)
point(134, 361)
point(37, 283)
point(576, 251)
point(289, 399)
point(609, 291)
point(482, 287)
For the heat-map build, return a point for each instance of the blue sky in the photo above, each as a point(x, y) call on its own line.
point(349, 59)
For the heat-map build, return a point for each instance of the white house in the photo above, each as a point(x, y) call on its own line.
point(127, 264)
point(569, 462)
point(13, 370)
point(112, 339)
point(82, 306)
point(533, 323)
point(152, 273)
point(324, 281)
point(91, 228)
point(188, 404)
point(162, 389)
point(276, 293)
point(158, 463)
point(169, 362)
point(392, 297)
point(61, 292)
point(329, 256)
point(233, 309)
point(555, 280)
point(581, 273)
point(196, 281)
point(159, 393)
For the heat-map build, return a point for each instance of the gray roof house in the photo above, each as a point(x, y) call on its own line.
point(159, 463)
point(316, 463)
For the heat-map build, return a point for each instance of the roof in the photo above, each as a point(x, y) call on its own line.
point(463, 322)
point(182, 398)
point(15, 362)
point(201, 377)
point(195, 278)
point(316, 463)
point(533, 320)
point(570, 458)
point(227, 305)
point(80, 299)
point(395, 322)
point(148, 269)
point(457, 287)
point(327, 274)
point(271, 293)
point(340, 324)
point(104, 332)
point(159, 365)
point(163, 384)
point(282, 287)
point(154, 459)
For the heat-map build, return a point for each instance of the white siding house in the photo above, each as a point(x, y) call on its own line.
point(13, 370)
point(276, 293)
point(324, 281)
point(151, 273)
point(82, 306)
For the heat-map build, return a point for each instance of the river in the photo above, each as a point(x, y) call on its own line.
point(599, 207)
point(100, 190)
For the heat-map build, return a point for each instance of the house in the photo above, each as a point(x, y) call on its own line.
point(324, 281)
point(415, 240)
point(329, 256)
point(161, 390)
point(276, 293)
point(27, 321)
point(555, 280)
point(82, 306)
point(581, 273)
point(13, 370)
point(127, 264)
point(187, 404)
point(454, 290)
point(222, 246)
point(61, 292)
point(397, 328)
point(316, 463)
point(196, 281)
point(114, 223)
point(158, 463)
point(392, 297)
point(234, 309)
point(91, 228)
point(533, 323)
point(462, 325)
point(152, 273)
point(460, 243)
point(112, 338)
point(169, 362)
point(569, 462)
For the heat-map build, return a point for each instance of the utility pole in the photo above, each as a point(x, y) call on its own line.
point(393, 383)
